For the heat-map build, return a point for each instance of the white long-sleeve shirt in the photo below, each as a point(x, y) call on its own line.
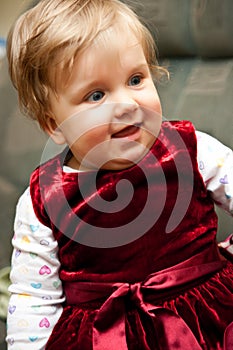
point(37, 296)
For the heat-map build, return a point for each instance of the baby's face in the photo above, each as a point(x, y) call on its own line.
point(109, 112)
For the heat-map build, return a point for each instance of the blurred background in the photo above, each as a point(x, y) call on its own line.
point(194, 39)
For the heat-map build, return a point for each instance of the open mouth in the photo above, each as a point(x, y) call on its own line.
point(128, 131)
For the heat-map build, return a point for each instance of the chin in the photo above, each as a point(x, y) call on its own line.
point(124, 163)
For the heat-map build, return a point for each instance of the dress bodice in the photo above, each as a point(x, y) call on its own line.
point(113, 230)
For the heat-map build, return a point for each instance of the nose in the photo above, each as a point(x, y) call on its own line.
point(124, 104)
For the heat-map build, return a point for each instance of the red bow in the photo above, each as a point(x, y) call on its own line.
point(109, 324)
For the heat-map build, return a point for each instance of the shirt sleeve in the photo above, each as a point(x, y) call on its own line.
point(215, 162)
point(36, 292)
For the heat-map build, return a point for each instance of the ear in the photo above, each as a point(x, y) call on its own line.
point(54, 131)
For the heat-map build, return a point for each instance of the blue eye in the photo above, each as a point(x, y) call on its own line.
point(95, 96)
point(135, 80)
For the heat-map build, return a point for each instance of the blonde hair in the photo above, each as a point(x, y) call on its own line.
point(62, 29)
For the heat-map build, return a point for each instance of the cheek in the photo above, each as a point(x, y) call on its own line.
point(91, 138)
point(150, 100)
point(154, 103)
point(92, 148)
point(82, 127)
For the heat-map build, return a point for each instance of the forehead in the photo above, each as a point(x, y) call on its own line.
point(113, 44)
point(109, 51)
point(119, 40)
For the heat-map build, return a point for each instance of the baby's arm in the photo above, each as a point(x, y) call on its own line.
point(215, 162)
point(216, 166)
point(36, 300)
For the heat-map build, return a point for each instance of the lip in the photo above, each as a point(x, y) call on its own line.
point(129, 132)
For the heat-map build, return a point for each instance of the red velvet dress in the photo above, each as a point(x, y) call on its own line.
point(142, 272)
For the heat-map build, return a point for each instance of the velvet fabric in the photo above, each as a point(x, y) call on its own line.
point(146, 274)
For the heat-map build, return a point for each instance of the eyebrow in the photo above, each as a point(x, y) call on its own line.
point(138, 67)
point(83, 89)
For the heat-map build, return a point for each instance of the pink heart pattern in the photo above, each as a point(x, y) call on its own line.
point(45, 270)
point(44, 323)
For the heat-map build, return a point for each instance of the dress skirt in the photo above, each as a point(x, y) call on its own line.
point(205, 310)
